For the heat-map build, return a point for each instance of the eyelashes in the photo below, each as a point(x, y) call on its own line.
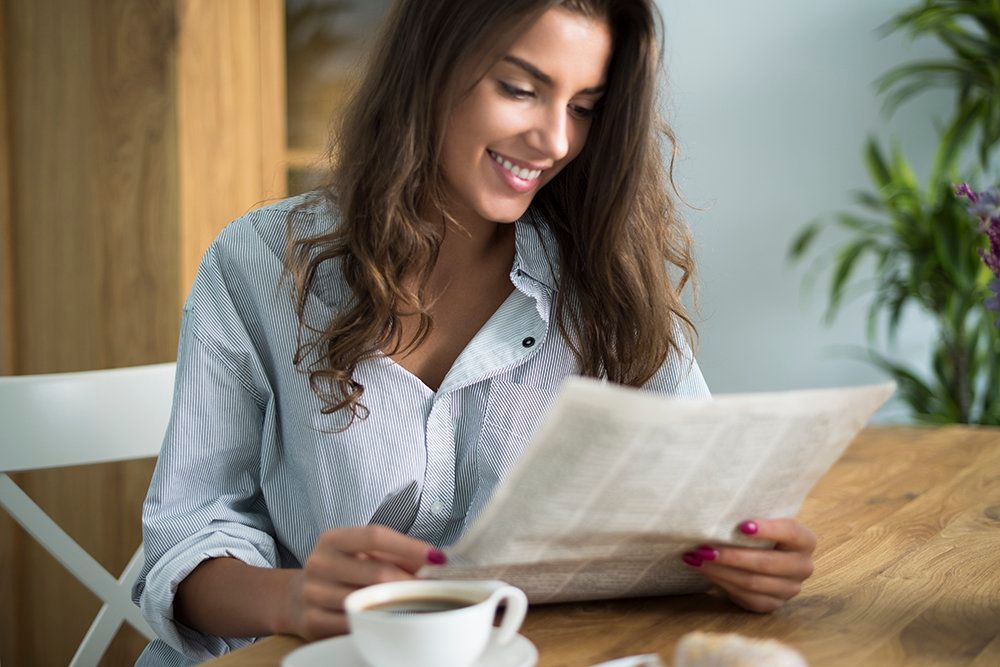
point(521, 94)
point(515, 92)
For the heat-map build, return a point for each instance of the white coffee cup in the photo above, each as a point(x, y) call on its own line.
point(454, 637)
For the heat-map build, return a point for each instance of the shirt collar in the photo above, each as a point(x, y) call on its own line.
point(536, 256)
point(536, 250)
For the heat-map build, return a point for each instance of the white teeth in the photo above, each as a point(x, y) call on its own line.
point(523, 174)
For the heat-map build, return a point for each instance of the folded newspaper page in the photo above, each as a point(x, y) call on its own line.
point(617, 483)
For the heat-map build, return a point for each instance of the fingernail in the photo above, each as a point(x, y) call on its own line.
point(706, 553)
point(691, 559)
point(435, 557)
point(748, 527)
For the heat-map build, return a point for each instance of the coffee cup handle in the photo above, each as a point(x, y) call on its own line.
point(513, 615)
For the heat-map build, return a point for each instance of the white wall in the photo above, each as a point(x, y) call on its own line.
point(772, 102)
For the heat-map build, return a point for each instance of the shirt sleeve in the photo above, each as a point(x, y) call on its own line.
point(205, 500)
point(680, 374)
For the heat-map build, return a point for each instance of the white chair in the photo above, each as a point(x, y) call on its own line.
point(68, 419)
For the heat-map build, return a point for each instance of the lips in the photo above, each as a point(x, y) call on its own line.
point(512, 181)
point(520, 169)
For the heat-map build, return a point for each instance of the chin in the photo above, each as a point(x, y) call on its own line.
point(507, 212)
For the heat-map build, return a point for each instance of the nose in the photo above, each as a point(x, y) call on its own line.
point(550, 134)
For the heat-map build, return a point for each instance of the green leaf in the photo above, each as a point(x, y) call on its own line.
point(844, 265)
point(896, 305)
point(927, 73)
point(803, 240)
point(944, 370)
point(954, 139)
point(903, 176)
point(869, 200)
point(876, 164)
point(862, 225)
point(990, 334)
point(912, 389)
point(948, 249)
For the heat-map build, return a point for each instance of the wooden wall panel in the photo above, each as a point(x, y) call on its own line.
point(6, 238)
point(91, 113)
point(136, 130)
point(272, 122)
point(8, 557)
point(231, 144)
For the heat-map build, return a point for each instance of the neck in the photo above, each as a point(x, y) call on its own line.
point(472, 244)
point(476, 248)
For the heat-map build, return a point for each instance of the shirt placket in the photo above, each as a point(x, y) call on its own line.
point(438, 495)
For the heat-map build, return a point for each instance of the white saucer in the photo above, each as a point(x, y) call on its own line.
point(340, 651)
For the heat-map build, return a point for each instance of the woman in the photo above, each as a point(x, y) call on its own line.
point(497, 219)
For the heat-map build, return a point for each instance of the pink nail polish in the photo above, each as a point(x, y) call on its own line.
point(706, 553)
point(435, 557)
point(691, 559)
point(748, 527)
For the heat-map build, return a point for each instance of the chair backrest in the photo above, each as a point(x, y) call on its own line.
point(67, 419)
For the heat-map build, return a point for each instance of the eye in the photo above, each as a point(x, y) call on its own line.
point(582, 112)
point(515, 92)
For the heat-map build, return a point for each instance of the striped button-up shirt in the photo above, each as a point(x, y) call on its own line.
point(252, 469)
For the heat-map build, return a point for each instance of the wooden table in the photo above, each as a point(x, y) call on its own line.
point(907, 570)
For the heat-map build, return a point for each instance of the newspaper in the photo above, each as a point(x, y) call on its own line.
point(617, 483)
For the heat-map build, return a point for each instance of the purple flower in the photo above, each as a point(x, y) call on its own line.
point(985, 206)
point(963, 190)
point(993, 303)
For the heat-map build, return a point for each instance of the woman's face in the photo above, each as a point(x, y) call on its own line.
point(526, 119)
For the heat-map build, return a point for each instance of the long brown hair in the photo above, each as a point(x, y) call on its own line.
point(609, 209)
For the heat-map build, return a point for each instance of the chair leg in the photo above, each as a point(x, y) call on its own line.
point(115, 594)
point(127, 578)
point(54, 539)
point(98, 638)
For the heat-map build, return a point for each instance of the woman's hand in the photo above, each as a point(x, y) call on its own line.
point(760, 580)
point(344, 560)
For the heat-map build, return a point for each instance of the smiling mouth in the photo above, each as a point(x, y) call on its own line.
point(521, 173)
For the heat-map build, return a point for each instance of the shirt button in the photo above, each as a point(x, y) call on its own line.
point(528, 342)
point(437, 507)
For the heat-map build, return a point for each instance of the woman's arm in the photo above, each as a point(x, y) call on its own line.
point(228, 598)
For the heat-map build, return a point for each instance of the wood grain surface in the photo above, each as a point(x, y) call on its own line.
point(7, 344)
point(93, 212)
point(907, 571)
point(231, 111)
point(136, 131)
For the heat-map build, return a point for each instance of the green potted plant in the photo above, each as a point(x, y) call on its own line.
point(924, 244)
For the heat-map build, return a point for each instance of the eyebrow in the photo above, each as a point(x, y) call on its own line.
point(543, 77)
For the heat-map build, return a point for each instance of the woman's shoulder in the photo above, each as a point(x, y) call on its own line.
point(267, 228)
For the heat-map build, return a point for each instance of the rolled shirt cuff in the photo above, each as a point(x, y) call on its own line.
point(232, 540)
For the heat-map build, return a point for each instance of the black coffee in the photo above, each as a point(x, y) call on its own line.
point(420, 605)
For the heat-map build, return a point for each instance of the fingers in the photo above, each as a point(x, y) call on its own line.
point(343, 560)
point(788, 534)
point(405, 552)
point(755, 578)
point(750, 582)
point(318, 623)
point(760, 603)
point(324, 595)
point(788, 564)
point(353, 571)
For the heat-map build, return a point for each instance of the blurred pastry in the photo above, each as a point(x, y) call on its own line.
point(707, 649)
